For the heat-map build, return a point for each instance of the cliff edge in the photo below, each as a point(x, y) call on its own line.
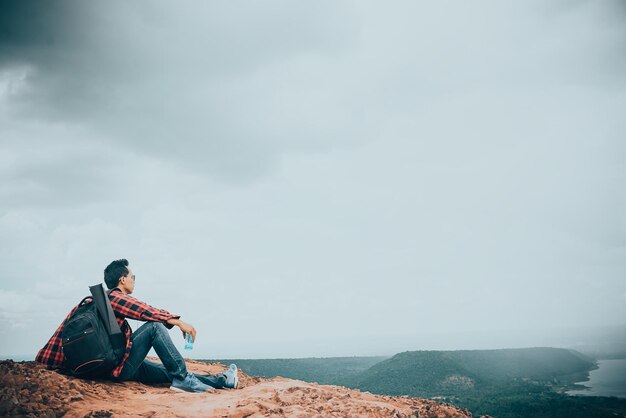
point(30, 390)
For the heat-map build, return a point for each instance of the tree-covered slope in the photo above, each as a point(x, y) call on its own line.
point(431, 373)
point(417, 373)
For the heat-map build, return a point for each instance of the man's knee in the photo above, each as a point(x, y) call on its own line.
point(159, 326)
point(155, 327)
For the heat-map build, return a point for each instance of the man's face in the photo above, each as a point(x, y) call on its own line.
point(127, 283)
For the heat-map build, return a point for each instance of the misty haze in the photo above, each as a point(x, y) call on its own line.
point(309, 180)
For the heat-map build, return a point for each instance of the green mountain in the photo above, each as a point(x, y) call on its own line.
point(447, 373)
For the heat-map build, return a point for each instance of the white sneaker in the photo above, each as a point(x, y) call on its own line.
point(232, 380)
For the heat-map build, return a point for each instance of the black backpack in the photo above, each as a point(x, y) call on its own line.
point(92, 342)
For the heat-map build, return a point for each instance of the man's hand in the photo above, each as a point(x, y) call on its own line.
point(187, 329)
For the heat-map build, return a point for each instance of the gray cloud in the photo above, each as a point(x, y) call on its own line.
point(180, 83)
point(463, 164)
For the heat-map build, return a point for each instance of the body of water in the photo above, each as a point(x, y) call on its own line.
point(608, 380)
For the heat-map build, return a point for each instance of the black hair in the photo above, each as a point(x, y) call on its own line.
point(114, 272)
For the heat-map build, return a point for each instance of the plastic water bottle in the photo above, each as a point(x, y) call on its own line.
point(189, 342)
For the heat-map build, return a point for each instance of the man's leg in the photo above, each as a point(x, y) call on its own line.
point(153, 334)
point(152, 372)
point(140, 369)
point(218, 381)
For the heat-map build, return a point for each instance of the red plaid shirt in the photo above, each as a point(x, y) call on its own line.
point(124, 306)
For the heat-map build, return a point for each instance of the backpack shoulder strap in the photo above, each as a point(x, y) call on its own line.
point(84, 300)
point(104, 308)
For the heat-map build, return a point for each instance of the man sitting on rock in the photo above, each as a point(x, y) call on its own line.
point(154, 333)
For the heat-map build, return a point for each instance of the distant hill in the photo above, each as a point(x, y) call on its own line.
point(432, 373)
point(327, 371)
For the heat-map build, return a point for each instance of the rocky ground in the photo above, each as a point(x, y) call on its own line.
point(30, 390)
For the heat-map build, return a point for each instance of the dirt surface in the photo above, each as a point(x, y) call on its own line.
point(30, 390)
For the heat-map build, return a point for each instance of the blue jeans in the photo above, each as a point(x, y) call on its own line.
point(140, 369)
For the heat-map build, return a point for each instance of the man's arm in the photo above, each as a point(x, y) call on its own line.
point(129, 307)
point(186, 328)
point(133, 308)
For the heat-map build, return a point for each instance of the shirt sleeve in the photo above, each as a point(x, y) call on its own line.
point(52, 353)
point(127, 306)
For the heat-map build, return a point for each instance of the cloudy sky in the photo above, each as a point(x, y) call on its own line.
point(291, 175)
